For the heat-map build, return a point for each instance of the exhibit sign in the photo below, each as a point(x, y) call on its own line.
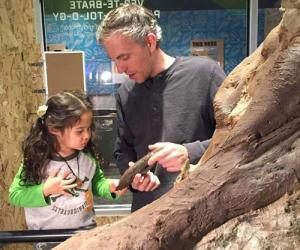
point(72, 25)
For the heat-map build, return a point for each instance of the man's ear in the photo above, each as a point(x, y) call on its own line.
point(151, 41)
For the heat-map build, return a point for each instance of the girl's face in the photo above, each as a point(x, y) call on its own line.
point(75, 137)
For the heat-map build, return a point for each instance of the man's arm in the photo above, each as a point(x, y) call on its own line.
point(124, 150)
point(197, 148)
point(125, 154)
point(173, 156)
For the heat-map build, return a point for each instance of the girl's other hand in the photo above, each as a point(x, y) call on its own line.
point(57, 184)
point(113, 187)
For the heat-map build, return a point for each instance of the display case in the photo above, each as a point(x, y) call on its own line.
point(64, 70)
point(213, 49)
point(105, 128)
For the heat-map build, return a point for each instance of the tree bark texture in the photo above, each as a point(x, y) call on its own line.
point(276, 226)
point(252, 161)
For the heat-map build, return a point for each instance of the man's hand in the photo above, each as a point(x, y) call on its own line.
point(57, 184)
point(146, 182)
point(171, 156)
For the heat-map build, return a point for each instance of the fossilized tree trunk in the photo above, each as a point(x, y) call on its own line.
point(253, 160)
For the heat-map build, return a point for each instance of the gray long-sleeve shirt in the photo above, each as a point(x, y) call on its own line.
point(174, 106)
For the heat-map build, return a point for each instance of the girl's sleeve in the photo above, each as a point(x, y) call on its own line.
point(27, 195)
point(100, 185)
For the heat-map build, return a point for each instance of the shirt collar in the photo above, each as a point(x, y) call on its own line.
point(67, 158)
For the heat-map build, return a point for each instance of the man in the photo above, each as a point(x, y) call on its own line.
point(168, 107)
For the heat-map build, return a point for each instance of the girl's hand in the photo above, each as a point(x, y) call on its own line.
point(56, 183)
point(113, 187)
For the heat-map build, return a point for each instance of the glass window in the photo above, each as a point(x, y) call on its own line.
point(269, 16)
point(214, 28)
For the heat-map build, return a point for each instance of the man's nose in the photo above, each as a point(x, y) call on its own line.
point(121, 68)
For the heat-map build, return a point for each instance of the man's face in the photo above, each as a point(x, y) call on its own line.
point(130, 58)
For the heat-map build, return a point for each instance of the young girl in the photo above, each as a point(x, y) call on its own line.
point(60, 170)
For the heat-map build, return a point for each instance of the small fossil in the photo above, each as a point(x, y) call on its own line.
point(141, 166)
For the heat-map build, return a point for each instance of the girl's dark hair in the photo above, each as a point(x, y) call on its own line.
point(64, 110)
